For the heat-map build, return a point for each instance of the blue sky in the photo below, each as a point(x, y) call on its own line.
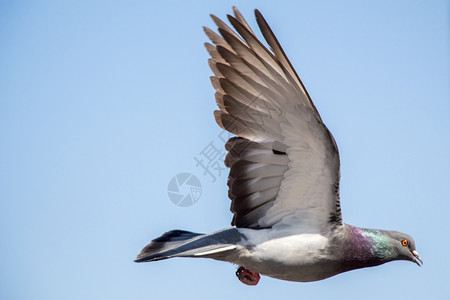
point(101, 104)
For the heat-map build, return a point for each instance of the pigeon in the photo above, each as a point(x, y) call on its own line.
point(284, 174)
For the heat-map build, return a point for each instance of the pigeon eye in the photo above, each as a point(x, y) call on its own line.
point(405, 243)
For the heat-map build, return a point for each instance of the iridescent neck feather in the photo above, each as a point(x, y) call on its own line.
point(366, 247)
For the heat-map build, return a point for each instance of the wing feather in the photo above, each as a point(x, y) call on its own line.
point(284, 162)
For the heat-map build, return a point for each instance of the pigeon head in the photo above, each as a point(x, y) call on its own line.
point(372, 247)
point(404, 247)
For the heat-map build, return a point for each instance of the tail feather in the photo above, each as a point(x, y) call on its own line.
point(158, 248)
point(180, 243)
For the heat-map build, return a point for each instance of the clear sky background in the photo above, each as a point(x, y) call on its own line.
point(103, 102)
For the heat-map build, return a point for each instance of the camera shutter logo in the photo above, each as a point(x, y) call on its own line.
point(184, 189)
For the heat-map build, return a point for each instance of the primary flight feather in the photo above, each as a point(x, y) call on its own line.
point(284, 174)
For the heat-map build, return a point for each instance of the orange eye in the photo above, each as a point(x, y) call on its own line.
point(405, 243)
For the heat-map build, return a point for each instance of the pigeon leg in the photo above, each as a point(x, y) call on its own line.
point(247, 277)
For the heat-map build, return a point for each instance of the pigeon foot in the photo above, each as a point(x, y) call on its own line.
point(247, 277)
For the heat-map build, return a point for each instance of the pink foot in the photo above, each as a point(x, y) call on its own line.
point(247, 277)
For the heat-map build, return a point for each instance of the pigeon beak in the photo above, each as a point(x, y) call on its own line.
point(416, 258)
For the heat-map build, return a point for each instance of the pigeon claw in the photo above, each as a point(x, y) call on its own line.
point(247, 277)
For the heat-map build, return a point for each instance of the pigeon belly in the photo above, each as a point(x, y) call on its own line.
point(299, 257)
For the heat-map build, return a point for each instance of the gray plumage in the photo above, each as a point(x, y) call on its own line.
point(284, 172)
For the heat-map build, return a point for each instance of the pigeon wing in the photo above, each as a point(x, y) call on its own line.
point(284, 162)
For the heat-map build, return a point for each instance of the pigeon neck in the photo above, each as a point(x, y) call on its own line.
point(366, 247)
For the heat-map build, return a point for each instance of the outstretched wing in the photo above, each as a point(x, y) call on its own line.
point(284, 163)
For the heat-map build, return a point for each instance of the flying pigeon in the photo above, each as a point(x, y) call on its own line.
point(284, 174)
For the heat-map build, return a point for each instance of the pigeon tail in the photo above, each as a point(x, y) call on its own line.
point(163, 247)
point(181, 243)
